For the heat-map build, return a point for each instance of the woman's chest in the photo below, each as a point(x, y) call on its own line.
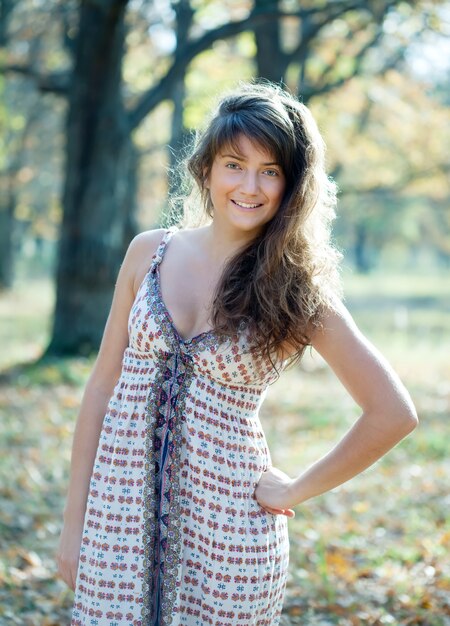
point(187, 292)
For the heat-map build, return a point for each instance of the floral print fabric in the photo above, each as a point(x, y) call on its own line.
point(173, 534)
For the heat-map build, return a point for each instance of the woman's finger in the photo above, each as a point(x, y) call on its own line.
point(287, 512)
point(274, 511)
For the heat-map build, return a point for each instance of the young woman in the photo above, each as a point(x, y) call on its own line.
point(175, 514)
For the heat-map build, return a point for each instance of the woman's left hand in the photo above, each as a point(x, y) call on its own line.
point(272, 492)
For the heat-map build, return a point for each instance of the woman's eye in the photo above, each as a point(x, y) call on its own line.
point(233, 166)
point(272, 172)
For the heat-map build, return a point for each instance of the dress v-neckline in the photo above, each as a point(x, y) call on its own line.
point(206, 333)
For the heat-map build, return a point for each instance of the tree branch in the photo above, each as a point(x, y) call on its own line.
point(67, 15)
point(319, 90)
point(161, 91)
point(340, 52)
point(56, 82)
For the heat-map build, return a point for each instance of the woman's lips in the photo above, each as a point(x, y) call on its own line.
point(246, 205)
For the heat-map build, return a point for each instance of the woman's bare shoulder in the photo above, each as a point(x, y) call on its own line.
point(148, 240)
point(140, 252)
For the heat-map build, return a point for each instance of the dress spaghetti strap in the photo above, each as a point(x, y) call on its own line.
point(158, 256)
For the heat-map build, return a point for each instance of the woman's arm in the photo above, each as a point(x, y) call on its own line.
point(388, 415)
point(99, 388)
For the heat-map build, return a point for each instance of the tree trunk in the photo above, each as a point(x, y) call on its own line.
point(184, 17)
point(129, 206)
point(362, 261)
point(6, 240)
point(6, 9)
point(100, 163)
point(177, 141)
point(270, 58)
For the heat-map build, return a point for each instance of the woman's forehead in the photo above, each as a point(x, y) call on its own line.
point(243, 146)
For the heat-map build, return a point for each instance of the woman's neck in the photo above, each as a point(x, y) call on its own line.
point(222, 243)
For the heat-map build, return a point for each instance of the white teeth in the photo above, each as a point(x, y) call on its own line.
point(244, 205)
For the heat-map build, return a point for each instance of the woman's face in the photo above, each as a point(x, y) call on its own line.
point(246, 187)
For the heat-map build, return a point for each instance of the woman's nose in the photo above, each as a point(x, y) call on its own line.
point(250, 182)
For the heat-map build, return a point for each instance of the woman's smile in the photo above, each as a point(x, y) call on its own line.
point(244, 205)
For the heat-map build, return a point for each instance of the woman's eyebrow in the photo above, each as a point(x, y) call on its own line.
point(243, 158)
point(233, 156)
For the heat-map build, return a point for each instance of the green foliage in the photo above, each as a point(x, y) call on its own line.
point(215, 65)
point(386, 140)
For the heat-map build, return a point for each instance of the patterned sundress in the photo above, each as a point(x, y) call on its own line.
point(173, 533)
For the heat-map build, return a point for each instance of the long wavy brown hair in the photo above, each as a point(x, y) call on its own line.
point(280, 283)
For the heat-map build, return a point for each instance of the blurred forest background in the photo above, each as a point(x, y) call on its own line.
point(98, 98)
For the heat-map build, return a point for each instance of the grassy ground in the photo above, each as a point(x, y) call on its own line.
point(373, 551)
